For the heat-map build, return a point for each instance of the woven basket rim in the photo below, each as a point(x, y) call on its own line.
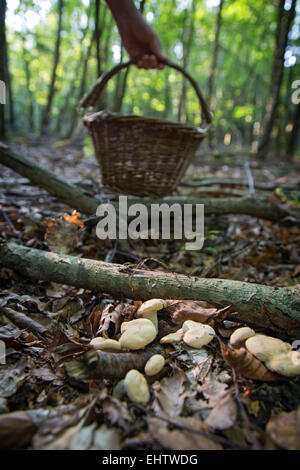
point(110, 116)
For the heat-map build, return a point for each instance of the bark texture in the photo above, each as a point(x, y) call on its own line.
point(272, 308)
point(284, 22)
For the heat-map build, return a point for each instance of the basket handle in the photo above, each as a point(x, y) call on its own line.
point(92, 96)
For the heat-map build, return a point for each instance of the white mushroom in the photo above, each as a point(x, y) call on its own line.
point(240, 335)
point(136, 387)
point(266, 347)
point(136, 334)
point(188, 324)
point(154, 365)
point(103, 344)
point(175, 337)
point(199, 336)
point(138, 321)
point(276, 354)
point(149, 310)
point(285, 364)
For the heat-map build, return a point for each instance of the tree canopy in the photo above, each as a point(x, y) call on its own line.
point(56, 50)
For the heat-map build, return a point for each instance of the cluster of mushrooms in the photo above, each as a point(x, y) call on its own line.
point(277, 355)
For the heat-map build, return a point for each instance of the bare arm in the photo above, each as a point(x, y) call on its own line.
point(137, 36)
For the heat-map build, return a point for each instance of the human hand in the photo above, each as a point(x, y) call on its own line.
point(141, 42)
point(138, 38)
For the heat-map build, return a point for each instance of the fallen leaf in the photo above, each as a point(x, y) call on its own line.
point(12, 377)
point(170, 394)
point(224, 414)
point(246, 364)
point(182, 310)
point(110, 321)
point(284, 429)
point(181, 439)
point(16, 430)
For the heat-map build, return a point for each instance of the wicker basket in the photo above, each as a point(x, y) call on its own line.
point(138, 155)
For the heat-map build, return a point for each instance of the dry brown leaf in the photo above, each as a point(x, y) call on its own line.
point(16, 430)
point(12, 376)
point(181, 439)
point(244, 363)
point(110, 321)
point(116, 412)
point(213, 390)
point(74, 218)
point(224, 414)
point(284, 430)
point(170, 394)
point(182, 310)
point(93, 320)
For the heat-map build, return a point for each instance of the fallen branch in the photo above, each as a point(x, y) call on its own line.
point(71, 195)
point(271, 308)
point(100, 364)
point(65, 192)
point(236, 182)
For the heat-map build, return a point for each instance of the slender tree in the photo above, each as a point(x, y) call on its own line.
point(51, 92)
point(98, 34)
point(26, 59)
point(284, 22)
point(121, 81)
point(189, 34)
point(214, 57)
point(82, 87)
point(72, 90)
point(2, 64)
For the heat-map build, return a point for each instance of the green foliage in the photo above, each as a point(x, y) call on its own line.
point(243, 73)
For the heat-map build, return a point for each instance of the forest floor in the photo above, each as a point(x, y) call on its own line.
point(196, 402)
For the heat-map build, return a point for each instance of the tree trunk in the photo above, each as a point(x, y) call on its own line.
point(73, 89)
point(121, 80)
point(98, 33)
point(82, 86)
point(215, 50)
point(26, 59)
point(186, 57)
point(2, 66)
point(51, 93)
point(8, 80)
point(285, 19)
point(272, 308)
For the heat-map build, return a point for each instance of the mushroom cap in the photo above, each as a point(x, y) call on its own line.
point(240, 335)
point(265, 347)
point(103, 344)
point(137, 321)
point(136, 387)
point(285, 364)
point(152, 316)
point(199, 336)
point(154, 365)
point(150, 306)
point(175, 337)
point(137, 334)
point(188, 324)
